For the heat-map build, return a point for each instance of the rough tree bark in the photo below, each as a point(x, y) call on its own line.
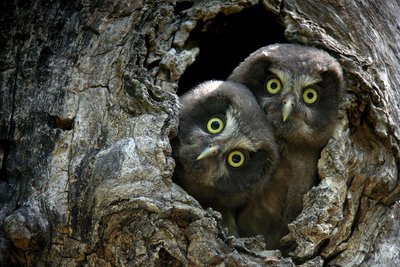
point(89, 104)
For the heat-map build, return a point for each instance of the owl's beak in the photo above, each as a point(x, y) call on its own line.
point(287, 108)
point(209, 151)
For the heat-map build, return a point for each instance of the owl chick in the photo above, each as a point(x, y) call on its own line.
point(299, 88)
point(225, 148)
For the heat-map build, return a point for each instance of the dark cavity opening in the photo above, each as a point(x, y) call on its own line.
point(225, 41)
point(182, 6)
point(4, 151)
point(65, 124)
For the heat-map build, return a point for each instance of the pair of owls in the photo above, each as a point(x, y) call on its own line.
point(249, 146)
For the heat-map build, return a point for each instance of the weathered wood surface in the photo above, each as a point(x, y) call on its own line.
point(88, 105)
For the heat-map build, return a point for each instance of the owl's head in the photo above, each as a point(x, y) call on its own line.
point(225, 146)
point(298, 87)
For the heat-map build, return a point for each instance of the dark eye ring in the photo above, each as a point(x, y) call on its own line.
point(236, 159)
point(310, 96)
point(273, 86)
point(215, 125)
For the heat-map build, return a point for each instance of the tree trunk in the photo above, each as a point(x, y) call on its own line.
point(89, 104)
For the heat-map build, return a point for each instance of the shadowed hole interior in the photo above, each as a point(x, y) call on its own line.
point(227, 40)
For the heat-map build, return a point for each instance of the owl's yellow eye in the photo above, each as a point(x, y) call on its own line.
point(215, 125)
point(273, 86)
point(236, 159)
point(310, 96)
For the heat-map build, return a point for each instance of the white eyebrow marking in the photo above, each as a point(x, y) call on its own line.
point(235, 140)
point(293, 82)
point(306, 80)
point(285, 77)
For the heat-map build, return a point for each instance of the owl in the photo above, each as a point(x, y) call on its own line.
point(225, 148)
point(299, 88)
